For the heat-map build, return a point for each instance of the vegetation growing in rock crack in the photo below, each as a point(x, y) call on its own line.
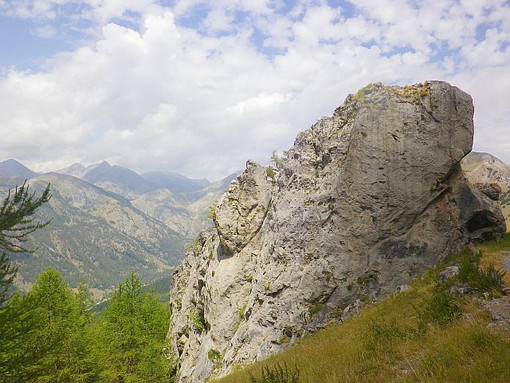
point(198, 322)
point(278, 162)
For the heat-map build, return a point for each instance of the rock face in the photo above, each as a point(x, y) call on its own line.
point(364, 201)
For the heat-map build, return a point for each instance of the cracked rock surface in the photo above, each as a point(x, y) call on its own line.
point(364, 201)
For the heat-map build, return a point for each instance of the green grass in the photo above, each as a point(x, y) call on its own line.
point(493, 253)
point(420, 335)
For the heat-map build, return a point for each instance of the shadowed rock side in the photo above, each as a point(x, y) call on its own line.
point(491, 176)
point(364, 201)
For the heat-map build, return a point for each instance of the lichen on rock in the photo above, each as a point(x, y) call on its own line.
point(363, 202)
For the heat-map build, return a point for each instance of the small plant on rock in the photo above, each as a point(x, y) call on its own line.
point(279, 162)
point(199, 322)
point(270, 172)
point(211, 214)
point(242, 312)
point(214, 355)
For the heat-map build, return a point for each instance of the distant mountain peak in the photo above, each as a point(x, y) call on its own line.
point(128, 183)
point(482, 160)
point(117, 179)
point(104, 164)
point(12, 161)
point(76, 166)
point(14, 172)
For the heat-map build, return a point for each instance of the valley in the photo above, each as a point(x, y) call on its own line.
point(107, 221)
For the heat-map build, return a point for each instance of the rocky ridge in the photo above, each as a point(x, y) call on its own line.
point(364, 201)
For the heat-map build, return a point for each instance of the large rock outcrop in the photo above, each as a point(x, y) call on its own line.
point(363, 202)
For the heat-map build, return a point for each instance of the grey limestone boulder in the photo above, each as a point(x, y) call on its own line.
point(364, 201)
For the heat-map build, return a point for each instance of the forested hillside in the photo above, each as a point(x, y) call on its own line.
point(52, 334)
point(107, 221)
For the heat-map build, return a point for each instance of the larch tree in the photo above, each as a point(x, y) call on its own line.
point(133, 335)
point(17, 221)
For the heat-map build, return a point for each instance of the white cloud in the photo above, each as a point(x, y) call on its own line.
point(218, 20)
point(45, 32)
point(202, 99)
point(45, 9)
point(256, 105)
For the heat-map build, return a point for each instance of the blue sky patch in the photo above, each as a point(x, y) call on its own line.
point(19, 47)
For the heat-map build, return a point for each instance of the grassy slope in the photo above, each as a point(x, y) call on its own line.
point(401, 340)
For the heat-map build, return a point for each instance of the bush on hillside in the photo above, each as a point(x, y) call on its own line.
point(277, 374)
point(489, 280)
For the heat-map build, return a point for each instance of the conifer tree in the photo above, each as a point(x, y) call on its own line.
point(132, 336)
point(16, 217)
point(16, 222)
point(57, 347)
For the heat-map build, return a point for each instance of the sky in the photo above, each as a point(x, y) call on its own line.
point(198, 87)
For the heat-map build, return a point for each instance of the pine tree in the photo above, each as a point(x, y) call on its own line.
point(16, 222)
point(16, 217)
point(7, 274)
point(16, 323)
point(132, 335)
point(80, 362)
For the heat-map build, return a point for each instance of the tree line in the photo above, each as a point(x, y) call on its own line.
point(52, 334)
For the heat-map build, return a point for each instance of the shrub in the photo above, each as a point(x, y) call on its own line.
point(489, 280)
point(440, 309)
point(277, 374)
point(211, 214)
point(279, 162)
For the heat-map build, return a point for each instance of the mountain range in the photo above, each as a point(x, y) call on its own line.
point(107, 221)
